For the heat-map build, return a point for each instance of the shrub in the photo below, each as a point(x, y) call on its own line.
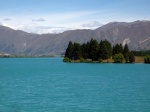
point(147, 59)
point(66, 59)
point(118, 58)
point(82, 59)
point(100, 60)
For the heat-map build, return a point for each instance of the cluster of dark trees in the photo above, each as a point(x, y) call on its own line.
point(141, 53)
point(98, 51)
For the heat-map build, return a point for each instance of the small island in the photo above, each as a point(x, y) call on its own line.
point(103, 52)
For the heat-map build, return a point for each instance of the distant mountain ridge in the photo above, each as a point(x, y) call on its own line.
point(135, 34)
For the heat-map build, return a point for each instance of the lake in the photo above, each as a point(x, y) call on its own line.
point(49, 85)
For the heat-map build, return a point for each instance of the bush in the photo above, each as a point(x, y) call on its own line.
point(118, 58)
point(100, 60)
point(66, 59)
point(82, 59)
point(147, 59)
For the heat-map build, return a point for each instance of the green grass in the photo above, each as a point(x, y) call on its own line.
point(138, 59)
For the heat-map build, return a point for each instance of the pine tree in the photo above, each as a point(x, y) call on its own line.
point(69, 50)
point(88, 50)
point(84, 48)
point(93, 50)
point(131, 58)
point(104, 50)
point(126, 53)
point(120, 48)
point(109, 48)
point(113, 50)
point(117, 49)
point(77, 54)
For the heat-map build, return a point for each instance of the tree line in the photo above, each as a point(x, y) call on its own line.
point(141, 53)
point(98, 51)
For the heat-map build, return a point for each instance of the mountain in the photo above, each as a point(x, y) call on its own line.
point(135, 34)
point(15, 41)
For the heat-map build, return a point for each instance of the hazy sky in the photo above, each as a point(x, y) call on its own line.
point(53, 16)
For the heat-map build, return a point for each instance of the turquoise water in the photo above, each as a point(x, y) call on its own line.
point(49, 85)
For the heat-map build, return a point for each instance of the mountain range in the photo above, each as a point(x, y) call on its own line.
point(135, 34)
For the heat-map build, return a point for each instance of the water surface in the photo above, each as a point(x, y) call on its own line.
point(49, 85)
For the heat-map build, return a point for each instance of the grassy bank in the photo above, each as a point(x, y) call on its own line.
point(138, 59)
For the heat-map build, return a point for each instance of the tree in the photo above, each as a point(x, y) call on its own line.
point(93, 50)
point(109, 48)
point(131, 58)
point(76, 51)
point(147, 59)
point(88, 50)
point(69, 50)
point(105, 49)
point(118, 48)
point(118, 58)
point(126, 53)
point(84, 48)
point(141, 53)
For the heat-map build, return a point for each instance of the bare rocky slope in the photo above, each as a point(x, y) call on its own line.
point(135, 34)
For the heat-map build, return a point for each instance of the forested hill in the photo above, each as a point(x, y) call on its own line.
point(135, 34)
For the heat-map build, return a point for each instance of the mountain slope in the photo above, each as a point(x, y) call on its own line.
point(132, 33)
point(136, 34)
point(15, 41)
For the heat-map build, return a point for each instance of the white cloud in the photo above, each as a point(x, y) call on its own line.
point(56, 23)
point(49, 23)
point(38, 20)
point(62, 30)
point(92, 24)
point(33, 28)
point(7, 25)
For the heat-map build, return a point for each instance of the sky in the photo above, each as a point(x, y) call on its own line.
point(56, 16)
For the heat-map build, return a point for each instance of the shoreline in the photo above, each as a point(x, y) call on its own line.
point(138, 59)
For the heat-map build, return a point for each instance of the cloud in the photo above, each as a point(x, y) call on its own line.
point(38, 20)
point(7, 19)
point(0, 23)
point(55, 22)
point(7, 25)
point(93, 24)
point(34, 28)
point(62, 30)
